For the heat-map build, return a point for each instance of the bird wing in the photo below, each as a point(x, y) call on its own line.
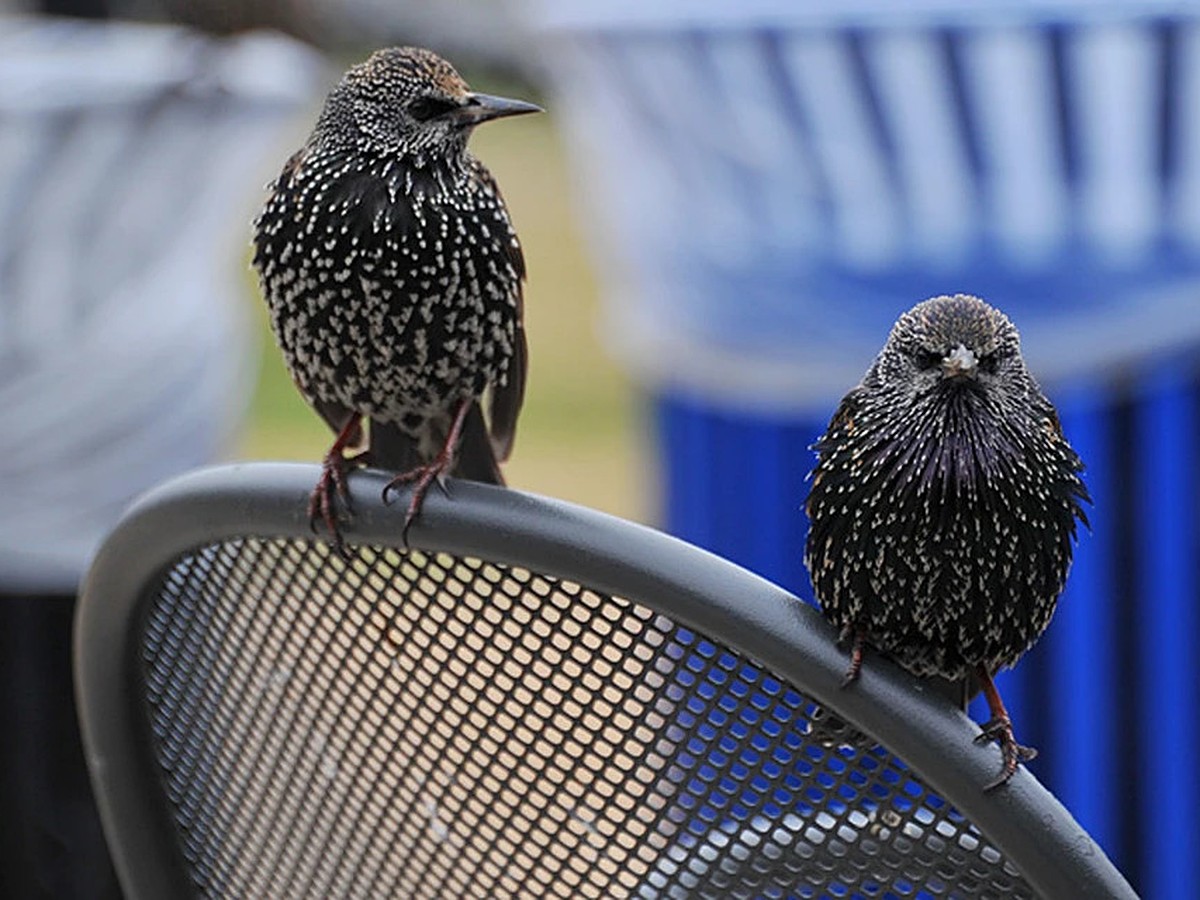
point(507, 398)
point(1073, 488)
point(842, 422)
point(841, 426)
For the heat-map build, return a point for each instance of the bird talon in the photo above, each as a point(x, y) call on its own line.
point(1003, 735)
point(408, 520)
point(322, 508)
point(339, 546)
point(858, 640)
point(331, 487)
point(421, 477)
point(1012, 754)
point(393, 486)
point(425, 476)
point(999, 728)
point(991, 730)
point(341, 487)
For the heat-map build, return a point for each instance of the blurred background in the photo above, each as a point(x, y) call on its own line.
point(723, 211)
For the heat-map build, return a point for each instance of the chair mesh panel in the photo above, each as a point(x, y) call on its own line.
point(412, 725)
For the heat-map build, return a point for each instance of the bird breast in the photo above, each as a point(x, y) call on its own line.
point(390, 288)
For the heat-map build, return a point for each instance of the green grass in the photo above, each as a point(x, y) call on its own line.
point(578, 437)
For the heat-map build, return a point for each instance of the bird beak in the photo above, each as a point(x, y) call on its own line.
point(485, 107)
point(961, 363)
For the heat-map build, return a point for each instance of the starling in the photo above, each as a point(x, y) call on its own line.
point(394, 280)
point(943, 505)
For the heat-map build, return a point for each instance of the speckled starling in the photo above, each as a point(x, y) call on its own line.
point(943, 505)
point(394, 279)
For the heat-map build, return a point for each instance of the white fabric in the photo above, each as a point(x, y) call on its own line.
point(131, 159)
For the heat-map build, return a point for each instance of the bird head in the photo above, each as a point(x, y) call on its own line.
point(954, 343)
point(408, 100)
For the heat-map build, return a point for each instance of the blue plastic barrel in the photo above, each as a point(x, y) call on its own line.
point(774, 182)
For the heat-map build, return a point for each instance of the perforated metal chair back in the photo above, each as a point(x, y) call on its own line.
point(535, 700)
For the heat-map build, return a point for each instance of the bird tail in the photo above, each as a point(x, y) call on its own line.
point(959, 691)
point(392, 449)
point(829, 730)
point(475, 459)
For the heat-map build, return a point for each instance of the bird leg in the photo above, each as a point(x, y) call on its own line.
point(857, 637)
point(323, 502)
point(999, 728)
point(423, 476)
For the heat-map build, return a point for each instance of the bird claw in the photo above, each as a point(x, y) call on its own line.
point(858, 640)
point(425, 475)
point(323, 502)
point(1000, 730)
point(422, 477)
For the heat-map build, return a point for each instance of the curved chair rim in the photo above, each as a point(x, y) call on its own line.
point(692, 586)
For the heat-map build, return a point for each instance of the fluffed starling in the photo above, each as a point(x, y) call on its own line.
point(394, 279)
point(943, 505)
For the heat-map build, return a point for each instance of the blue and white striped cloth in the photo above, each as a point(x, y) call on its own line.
point(776, 181)
point(131, 160)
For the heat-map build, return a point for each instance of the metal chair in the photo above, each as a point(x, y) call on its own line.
point(534, 700)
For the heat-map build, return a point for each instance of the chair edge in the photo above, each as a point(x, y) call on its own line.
point(702, 591)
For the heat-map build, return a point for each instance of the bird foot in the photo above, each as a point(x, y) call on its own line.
point(857, 638)
point(331, 490)
point(422, 478)
point(1000, 730)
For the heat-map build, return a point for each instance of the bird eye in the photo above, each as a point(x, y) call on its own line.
point(990, 362)
point(928, 359)
point(425, 108)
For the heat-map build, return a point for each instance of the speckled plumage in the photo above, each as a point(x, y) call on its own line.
point(943, 506)
point(392, 271)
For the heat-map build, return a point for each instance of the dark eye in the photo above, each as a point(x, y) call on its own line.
point(928, 359)
point(990, 362)
point(425, 108)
